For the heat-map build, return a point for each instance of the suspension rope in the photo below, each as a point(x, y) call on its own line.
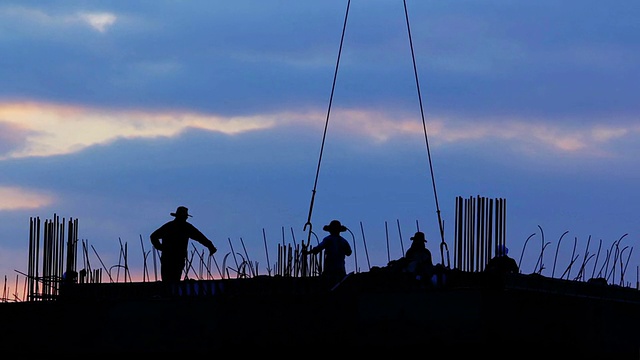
point(326, 125)
point(308, 225)
point(443, 244)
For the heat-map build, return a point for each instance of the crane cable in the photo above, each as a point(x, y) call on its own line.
point(443, 244)
point(308, 224)
point(326, 125)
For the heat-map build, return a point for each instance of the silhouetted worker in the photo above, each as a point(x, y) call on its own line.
point(336, 248)
point(69, 279)
point(175, 237)
point(502, 263)
point(418, 258)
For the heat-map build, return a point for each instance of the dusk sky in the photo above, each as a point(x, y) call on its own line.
point(115, 113)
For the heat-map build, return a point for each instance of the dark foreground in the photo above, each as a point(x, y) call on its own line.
point(519, 316)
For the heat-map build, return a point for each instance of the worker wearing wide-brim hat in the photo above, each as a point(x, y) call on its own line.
point(418, 257)
point(336, 248)
point(172, 239)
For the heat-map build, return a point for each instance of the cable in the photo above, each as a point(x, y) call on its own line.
point(443, 244)
point(326, 125)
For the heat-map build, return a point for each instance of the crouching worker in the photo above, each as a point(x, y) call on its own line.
point(499, 267)
point(417, 263)
point(502, 263)
point(418, 257)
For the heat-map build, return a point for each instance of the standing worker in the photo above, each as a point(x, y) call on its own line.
point(336, 248)
point(175, 236)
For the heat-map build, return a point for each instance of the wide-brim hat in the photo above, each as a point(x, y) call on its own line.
point(181, 211)
point(334, 225)
point(419, 236)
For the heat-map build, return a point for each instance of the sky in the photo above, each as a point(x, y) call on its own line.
point(115, 113)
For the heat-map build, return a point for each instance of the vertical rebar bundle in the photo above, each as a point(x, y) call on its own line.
point(480, 227)
point(44, 282)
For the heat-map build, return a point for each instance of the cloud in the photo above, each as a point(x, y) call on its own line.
point(604, 134)
point(16, 198)
point(99, 21)
point(60, 129)
point(12, 137)
point(30, 18)
point(537, 136)
point(44, 129)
